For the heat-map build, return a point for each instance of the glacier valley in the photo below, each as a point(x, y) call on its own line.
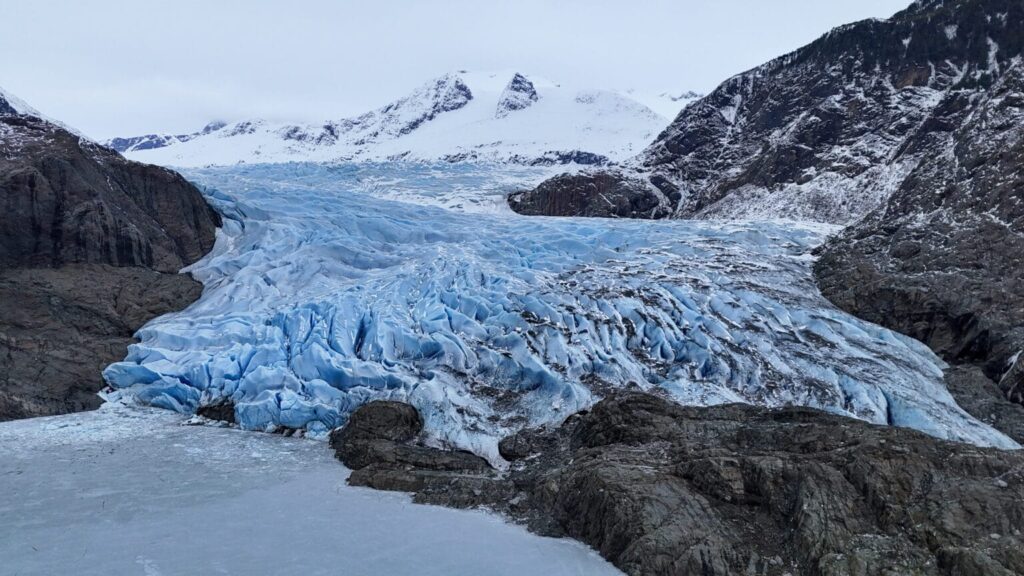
point(334, 285)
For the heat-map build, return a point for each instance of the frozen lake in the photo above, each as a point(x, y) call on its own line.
point(128, 490)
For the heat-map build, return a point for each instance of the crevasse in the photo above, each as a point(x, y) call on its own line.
point(322, 295)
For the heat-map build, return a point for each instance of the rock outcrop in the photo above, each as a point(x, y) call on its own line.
point(154, 141)
point(658, 488)
point(90, 249)
point(518, 95)
point(599, 194)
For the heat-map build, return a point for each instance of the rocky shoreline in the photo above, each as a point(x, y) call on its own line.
point(658, 488)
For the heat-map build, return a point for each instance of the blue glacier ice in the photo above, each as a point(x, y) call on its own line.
point(331, 286)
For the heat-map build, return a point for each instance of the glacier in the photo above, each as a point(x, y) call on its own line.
point(334, 285)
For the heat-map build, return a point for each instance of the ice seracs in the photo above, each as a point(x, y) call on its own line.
point(503, 117)
point(319, 298)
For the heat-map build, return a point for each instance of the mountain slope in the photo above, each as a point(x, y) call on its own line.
point(464, 116)
point(943, 259)
point(90, 247)
point(823, 133)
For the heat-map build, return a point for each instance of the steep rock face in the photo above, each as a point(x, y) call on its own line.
point(90, 249)
point(658, 488)
point(824, 133)
point(518, 95)
point(401, 117)
point(943, 259)
point(69, 200)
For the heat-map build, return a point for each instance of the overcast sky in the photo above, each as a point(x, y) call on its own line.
point(123, 67)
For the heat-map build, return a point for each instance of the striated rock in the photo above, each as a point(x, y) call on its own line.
point(60, 327)
point(1012, 382)
point(381, 420)
point(658, 488)
point(984, 399)
point(68, 200)
point(600, 194)
point(90, 249)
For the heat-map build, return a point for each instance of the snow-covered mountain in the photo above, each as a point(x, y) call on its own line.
point(500, 117)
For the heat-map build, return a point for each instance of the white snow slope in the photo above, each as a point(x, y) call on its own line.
point(459, 116)
point(21, 107)
point(126, 491)
point(320, 296)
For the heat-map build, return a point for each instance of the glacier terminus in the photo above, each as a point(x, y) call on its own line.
point(334, 285)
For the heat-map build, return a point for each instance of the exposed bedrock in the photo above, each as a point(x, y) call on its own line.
point(658, 488)
point(599, 194)
point(90, 249)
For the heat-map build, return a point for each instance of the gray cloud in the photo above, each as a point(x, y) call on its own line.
point(117, 67)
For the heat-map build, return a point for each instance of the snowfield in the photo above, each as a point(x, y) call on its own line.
point(464, 116)
point(129, 490)
point(333, 286)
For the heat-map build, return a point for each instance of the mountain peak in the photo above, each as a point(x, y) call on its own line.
point(519, 94)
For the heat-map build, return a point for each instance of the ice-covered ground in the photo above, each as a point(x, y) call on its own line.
point(125, 491)
point(332, 286)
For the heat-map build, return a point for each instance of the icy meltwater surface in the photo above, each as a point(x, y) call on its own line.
point(333, 286)
point(126, 491)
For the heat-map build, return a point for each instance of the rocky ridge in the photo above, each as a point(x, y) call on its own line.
point(90, 249)
point(943, 259)
point(154, 141)
point(484, 117)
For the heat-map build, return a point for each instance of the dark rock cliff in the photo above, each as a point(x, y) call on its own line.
point(943, 259)
point(90, 249)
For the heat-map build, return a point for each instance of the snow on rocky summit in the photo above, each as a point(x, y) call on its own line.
point(502, 117)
